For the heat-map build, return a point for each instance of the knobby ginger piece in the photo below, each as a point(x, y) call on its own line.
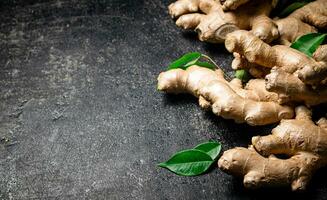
point(301, 139)
point(262, 54)
point(252, 104)
point(307, 19)
point(212, 23)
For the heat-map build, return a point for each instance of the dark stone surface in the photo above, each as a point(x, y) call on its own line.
point(80, 117)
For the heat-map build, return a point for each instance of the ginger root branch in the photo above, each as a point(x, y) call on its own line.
point(301, 139)
point(253, 105)
point(213, 22)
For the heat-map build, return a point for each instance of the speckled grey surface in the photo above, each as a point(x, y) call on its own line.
point(80, 116)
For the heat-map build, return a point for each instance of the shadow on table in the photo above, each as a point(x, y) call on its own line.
point(178, 99)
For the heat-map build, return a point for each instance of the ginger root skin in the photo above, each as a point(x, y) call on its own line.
point(208, 18)
point(232, 4)
point(295, 135)
point(256, 51)
point(253, 105)
point(301, 139)
point(291, 89)
point(240, 62)
point(307, 19)
point(261, 172)
point(229, 5)
point(245, 45)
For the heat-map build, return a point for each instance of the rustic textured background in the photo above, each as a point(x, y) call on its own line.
point(80, 116)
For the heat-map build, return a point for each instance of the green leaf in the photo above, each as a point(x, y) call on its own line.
point(291, 8)
point(185, 61)
point(309, 43)
point(243, 75)
point(210, 148)
point(190, 162)
point(205, 64)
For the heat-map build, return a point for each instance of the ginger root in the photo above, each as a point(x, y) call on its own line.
point(291, 89)
point(251, 49)
point(212, 23)
point(307, 19)
point(301, 139)
point(232, 4)
point(253, 105)
point(288, 72)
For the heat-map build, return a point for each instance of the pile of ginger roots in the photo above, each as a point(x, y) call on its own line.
point(287, 84)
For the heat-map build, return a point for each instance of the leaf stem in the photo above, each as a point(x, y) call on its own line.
point(213, 62)
point(209, 59)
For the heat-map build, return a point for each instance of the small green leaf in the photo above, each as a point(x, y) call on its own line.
point(291, 8)
point(309, 43)
point(205, 64)
point(185, 61)
point(210, 148)
point(190, 162)
point(243, 75)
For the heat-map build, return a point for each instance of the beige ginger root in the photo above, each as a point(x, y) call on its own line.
point(293, 74)
point(248, 47)
point(307, 19)
point(240, 62)
point(232, 4)
point(291, 89)
point(253, 104)
point(212, 23)
point(301, 139)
